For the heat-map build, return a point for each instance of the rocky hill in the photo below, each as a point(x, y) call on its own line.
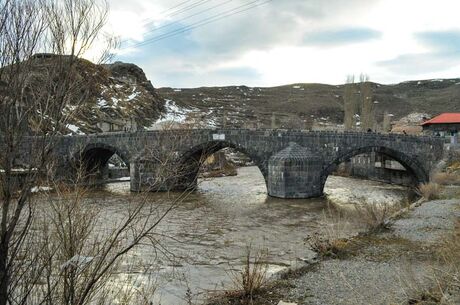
point(297, 105)
point(115, 96)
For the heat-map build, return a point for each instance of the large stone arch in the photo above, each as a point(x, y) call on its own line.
point(412, 165)
point(191, 160)
point(94, 156)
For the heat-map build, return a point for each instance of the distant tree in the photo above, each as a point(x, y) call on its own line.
point(349, 103)
point(274, 121)
point(367, 103)
point(386, 125)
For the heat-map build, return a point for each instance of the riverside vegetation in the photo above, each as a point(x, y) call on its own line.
point(362, 269)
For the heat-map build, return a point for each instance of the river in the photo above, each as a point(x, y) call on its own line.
point(207, 235)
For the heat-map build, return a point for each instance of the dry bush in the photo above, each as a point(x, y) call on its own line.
point(454, 165)
point(325, 246)
point(449, 255)
point(429, 191)
point(330, 241)
point(82, 255)
point(453, 157)
point(427, 296)
point(253, 278)
point(442, 285)
point(447, 178)
point(374, 216)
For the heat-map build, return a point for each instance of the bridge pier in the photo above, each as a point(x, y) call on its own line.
point(152, 176)
point(145, 177)
point(295, 173)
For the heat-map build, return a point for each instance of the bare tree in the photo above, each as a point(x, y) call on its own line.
point(39, 93)
point(367, 103)
point(349, 103)
point(386, 122)
point(82, 248)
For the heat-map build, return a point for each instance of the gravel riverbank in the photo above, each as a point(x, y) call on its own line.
point(390, 267)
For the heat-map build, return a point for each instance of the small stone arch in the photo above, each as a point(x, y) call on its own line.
point(411, 164)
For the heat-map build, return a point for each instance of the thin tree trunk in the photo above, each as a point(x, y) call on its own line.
point(4, 275)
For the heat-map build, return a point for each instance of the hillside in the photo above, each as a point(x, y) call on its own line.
point(116, 96)
point(298, 105)
point(122, 98)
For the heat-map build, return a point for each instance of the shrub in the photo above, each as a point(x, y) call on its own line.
point(449, 254)
point(375, 216)
point(326, 247)
point(253, 277)
point(447, 178)
point(443, 284)
point(430, 191)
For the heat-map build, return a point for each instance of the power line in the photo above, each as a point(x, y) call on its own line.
point(187, 8)
point(201, 23)
point(182, 19)
point(146, 21)
point(176, 6)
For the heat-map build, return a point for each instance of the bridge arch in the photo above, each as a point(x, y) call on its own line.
point(93, 158)
point(192, 159)
point(412, 165)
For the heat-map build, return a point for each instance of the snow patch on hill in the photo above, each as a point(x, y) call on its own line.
point(173, 113)
point(176, 117)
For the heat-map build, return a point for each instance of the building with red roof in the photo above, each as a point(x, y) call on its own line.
point(444, 124)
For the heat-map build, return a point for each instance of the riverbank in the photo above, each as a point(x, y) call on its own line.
point(414, 260)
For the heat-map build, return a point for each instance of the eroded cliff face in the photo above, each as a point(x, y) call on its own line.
point(126, 98)
point(114, 96)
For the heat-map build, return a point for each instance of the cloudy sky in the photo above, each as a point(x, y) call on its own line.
point(266, 43)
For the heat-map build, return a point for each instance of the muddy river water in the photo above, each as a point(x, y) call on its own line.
point(207, 235)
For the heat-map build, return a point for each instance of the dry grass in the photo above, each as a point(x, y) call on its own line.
point(447, 178)
point(449, 255)
point(444, 280)
point(252, 279)
point(330, 241)
point(430, 191)
point(374, 216)
point(454, 166)
point(326, 246)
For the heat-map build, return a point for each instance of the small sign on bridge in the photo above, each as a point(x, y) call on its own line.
point(218, 136)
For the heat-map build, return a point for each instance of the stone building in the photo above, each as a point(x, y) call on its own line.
point(444, 125)
point(113, 125)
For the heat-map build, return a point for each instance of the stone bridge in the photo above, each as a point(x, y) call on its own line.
point(295, 164)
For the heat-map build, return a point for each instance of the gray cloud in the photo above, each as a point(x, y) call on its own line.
point(340, 36)
point(412, 64)
point(277, 23)
point(444, 54)
point(441, 41)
